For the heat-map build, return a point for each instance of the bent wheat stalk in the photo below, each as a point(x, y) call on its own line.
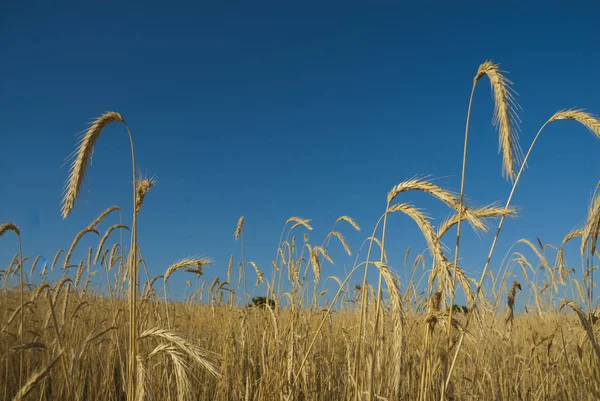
point(81, 158)
point(185, 263)
point(105, 237)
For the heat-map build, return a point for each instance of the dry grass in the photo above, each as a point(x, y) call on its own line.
point(327, 374)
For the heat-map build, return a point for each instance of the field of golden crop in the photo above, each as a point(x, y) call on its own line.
point(383, 340)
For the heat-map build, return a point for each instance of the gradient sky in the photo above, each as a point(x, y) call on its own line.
point(272, 110)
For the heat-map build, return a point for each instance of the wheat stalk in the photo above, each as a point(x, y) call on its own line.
point(350, 221)
point(27, 346)
point(480, 213)
point(143, 186)
point(510, 300)
point(426, 228)
point(578, 232)
point(202, 357)
point(181, 369)
point(447, 197)
point(36, 378)
point(105, 237)
point(586, 325)
point(113, 256)
point(238, 228)
point(342, 240)
point(259, 274)
point(81, 157)
point(56, 256)
point(102, 216)
point(590, 121)
point(76, 241)
point(34, 264)
point(4, 228)
point(185, 263)
point(505, 121)
point(397, 321)
point(141, 384)
point(300, 222)
point(505, 116)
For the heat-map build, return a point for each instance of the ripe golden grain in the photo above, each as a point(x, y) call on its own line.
point(143, 186)
point(105, 237)
point(103, 215)
point(505, 116)
point(238, 228)
point(185, 263)
point(82, 157)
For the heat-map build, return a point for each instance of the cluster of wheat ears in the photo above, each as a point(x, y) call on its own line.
point(99, 334)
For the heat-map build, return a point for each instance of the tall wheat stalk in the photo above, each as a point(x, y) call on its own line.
point(239, 232)
point(81, 158)
point(508, 143)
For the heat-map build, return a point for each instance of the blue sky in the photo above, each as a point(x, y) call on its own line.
point(274, 110)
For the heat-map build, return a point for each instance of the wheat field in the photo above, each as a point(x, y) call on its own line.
point(108, 330)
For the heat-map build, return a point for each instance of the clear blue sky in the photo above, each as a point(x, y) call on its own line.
point(269, 111)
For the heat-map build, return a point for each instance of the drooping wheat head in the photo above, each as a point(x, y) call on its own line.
point(445, 196)
point(103, 215)
point(426, 228)
point(342, 240)
point(350, 221)
point(590, 121)
point(299, 222)
point(76, 241)
point(9, 227)
point(186, 263)
point(82, 157)
point(479, 213)
point(505, 116)
point(105, 237)
point(510, 300)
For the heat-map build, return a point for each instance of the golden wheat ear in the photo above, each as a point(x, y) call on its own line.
point(505, 116)
point(82, 157)
point(238, 228)
point(9, 227)
point(184, 263)
point(143, 186)
point(591, 122)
